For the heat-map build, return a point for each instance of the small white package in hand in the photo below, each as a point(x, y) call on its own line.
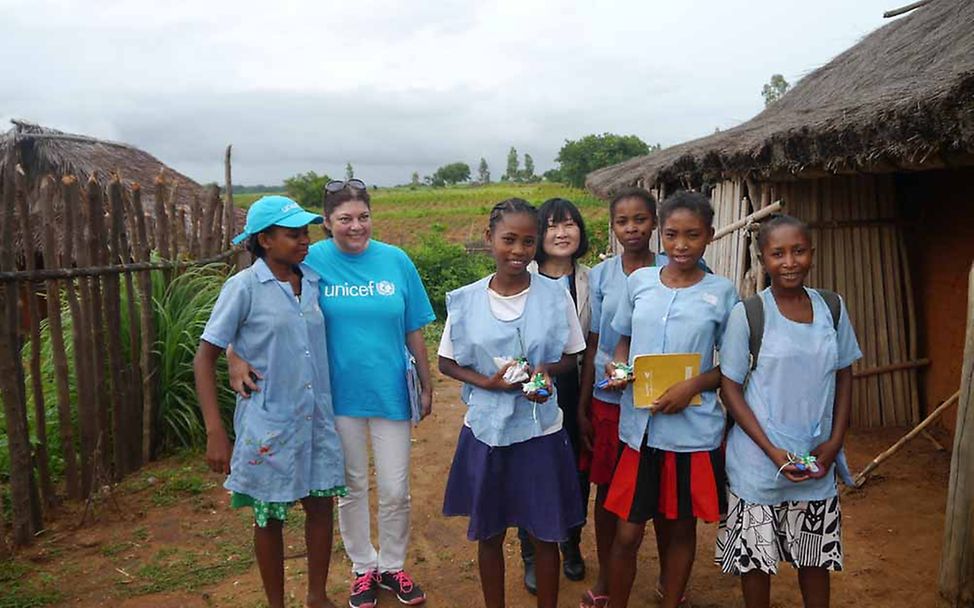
point(515, 373)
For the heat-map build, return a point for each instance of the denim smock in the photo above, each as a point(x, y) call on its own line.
point(660, 319)
point(286, 444)
point(792, 394)
point(540, 334)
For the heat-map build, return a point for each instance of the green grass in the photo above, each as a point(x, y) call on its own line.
point(183, 570)
point(403, 214)
point(20, 590)
point(244, 201)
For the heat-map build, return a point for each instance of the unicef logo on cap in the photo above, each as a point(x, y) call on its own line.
point(385, 288)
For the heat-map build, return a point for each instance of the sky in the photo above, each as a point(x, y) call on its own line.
point(396, 87)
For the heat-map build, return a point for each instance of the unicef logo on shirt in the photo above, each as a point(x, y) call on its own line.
point(383, 288)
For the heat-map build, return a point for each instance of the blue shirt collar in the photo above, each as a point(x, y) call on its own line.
point(264, 273)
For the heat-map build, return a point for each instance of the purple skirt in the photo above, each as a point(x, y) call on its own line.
point(532, 484)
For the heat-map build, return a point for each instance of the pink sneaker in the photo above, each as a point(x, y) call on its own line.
point(365, 589)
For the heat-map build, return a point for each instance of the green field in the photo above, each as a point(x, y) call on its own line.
point(403, 215)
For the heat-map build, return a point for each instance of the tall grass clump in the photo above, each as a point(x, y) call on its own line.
point(444, 266)
point(181, 310)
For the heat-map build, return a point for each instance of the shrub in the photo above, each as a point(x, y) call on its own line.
point(444, 266)
point(181, 311)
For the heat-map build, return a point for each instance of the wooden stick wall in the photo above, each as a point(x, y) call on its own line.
point(95, 248)
point(860, 253)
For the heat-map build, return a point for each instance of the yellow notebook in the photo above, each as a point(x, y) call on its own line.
point(653, 374)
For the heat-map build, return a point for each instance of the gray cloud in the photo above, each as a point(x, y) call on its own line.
point(398, 87)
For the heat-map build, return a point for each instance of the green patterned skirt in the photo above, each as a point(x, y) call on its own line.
point(264, 511)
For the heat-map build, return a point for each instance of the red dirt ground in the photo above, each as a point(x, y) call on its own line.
point(893, 535)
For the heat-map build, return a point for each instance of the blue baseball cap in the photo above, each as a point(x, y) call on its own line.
point(275, 210)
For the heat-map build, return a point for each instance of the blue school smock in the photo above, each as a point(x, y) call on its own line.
point(540, 334)
point(664, 320)
point(286, 444)
point(791, 392)
point(607, 284)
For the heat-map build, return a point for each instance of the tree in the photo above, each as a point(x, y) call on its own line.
point(577, 159)
point(414, 181)
point(483, 172)
point(349, 171)
point(451, 174)
point(307, 188)
point(512, 164)
point(552, 175)
point(528, 173)
point(774, 89)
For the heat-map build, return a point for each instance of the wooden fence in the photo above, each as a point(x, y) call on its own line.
point(80, 241)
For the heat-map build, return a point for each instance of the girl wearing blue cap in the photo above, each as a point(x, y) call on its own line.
point(286, 447)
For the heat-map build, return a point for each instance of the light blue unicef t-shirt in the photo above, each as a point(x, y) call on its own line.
point(371, 300)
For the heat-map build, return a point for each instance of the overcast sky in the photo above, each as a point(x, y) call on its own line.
point(397, 87)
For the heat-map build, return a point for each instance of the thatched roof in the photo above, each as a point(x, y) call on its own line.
point(46, 151)
point(902, 98)
point(43, 152)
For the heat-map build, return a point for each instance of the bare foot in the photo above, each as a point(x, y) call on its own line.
point(322, 602)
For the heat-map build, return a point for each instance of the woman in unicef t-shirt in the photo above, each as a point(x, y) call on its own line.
point(375, 306)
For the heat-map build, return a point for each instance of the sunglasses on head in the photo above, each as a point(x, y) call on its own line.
point(337, 185)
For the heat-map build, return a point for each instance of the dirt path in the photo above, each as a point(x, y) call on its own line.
point(173, 542)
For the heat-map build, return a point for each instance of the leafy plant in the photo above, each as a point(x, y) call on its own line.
point(444, 266)
point(578, 158)
point(181, 311)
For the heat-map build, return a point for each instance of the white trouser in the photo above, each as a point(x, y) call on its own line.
point(390, 450)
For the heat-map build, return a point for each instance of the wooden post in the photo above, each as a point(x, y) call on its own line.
point(77, 302)
point(111, 297)
point(133, 384)
point(195, 219)
point(174, 227)
point(210, 203)
point(146, 328)
point(957, 560)
point(95, 216)
point(162, 236)
point(34, 320)
point(229, 229)
point(58, 354)
point(11, 371)
point(130, 249)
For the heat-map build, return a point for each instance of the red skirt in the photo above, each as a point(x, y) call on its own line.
point(653, 483)
point(601, 462)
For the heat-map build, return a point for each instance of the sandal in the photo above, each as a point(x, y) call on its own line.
point(590, 600)
point(683, 600)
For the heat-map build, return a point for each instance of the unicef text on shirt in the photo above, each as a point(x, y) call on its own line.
point(382, 288)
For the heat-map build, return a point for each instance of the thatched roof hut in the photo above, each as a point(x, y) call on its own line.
point(876, 151)
point(46, 152)
point(901, 99)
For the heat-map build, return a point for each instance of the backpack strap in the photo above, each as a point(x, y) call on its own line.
point(754, 310)
point(835, 305)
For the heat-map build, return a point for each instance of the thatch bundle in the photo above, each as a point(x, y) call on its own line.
point(903, 98)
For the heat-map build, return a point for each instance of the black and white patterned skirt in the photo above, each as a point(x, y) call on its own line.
point(806, 534)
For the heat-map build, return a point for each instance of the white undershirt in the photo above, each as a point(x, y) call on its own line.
point(508, 308)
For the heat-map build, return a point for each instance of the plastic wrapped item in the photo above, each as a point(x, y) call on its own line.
point(621, 371)
point(536, 386)
point(515, 373)
point(804, 462)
